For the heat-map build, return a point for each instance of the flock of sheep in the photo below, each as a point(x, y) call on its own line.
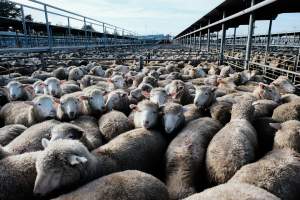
point(165, 130)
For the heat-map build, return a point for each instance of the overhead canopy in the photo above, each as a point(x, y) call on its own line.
point(269, 10)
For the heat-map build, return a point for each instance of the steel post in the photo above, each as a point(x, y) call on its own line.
point(48, 28)
point(249, 39)
point(223, 42)
point(208, 38)
point(268, 41)
point(24, 26)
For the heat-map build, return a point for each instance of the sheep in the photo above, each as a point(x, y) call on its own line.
point(118, 81)
point(38, 87)
point(113, 124)
point(18, 91)
point(52, 87)
point(134, 150)
point(287, 98)
point(69, 108)
point(97, 71)
point(28, 113)
point(10, 132)
point(118, 100)
point(231, 191)
point(264, 91)
point(221, 111)
point(158, 96)
point(204, 97)
point(283, 84)
point(75, 74)
point(145, 114)
point(136, 95)
point(17, 176)
point(173, 117)
point(126, 185)
point(264, 108)
point(30, 139)
point(179, 92)
point(185, 156)
point(191, 112)
point(74, 132)
point(277, 172)
point(60, 73)
point(265, 134)
point(4, 96)
point(138, 149)
point(287, 135)
point(91, 130)
point(287, 111)
point(226, 71)
point(233, 146)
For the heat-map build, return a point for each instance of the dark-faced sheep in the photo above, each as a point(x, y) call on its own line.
point(173, 117)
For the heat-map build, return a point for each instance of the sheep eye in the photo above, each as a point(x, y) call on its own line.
point(71, 136)
point(39, 104)
point(92, 98)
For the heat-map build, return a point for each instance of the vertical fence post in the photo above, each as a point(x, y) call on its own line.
point(208, 38)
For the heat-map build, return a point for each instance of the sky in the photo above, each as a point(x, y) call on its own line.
point(151, 16)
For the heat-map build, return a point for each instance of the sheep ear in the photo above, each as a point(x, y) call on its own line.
point(133, 106)
point(109, 80)
point(45, 142)
point(276, 126)
point(31, 103)
point(75, 160)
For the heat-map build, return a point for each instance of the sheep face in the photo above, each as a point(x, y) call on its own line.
point(38, 87)
point(52, 87)
point(264, 91)
point(146, 114)
point(15, 90)
point(96, 101)
point(70, 106)
point(284, 85)
point(114, 99)
point(66, 131)
point(204, 97)
point(173, 117)
point(44, 107)
point(60, 165)
point(118, 81)
point(158, 96)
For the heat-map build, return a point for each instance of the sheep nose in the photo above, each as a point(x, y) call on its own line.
point(147, 122)
point(72, 114)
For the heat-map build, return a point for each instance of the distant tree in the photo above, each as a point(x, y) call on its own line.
point(29, 18)
point(88, 28)
point(9, 9)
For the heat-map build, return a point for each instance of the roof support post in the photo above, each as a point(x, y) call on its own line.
point(24, 26)
point(208, 38)
point(48, 28)
point(223, 41)
point(268, 40)
point(200, 39)
point(249, 39)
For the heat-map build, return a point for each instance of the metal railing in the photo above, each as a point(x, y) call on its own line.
point(93, 32)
